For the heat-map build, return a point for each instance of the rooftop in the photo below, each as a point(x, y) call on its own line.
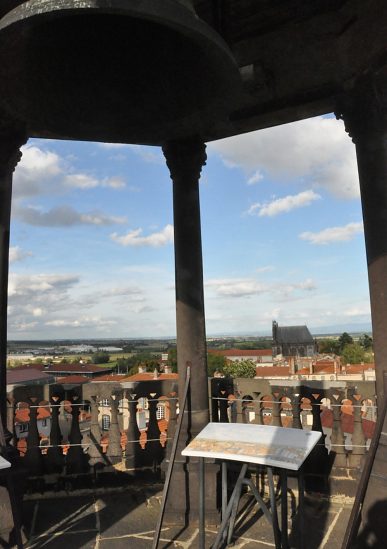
point(149, 376)
point(76, 368)
point(241, 352)
point(293, 334)
point(20, 376)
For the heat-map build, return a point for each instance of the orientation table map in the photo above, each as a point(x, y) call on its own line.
point(263, 444)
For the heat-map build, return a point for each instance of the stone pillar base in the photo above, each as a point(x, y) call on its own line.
point(183, 503)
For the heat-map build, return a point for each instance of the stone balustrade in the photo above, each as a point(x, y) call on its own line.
point(344, 413)
point(64, 431)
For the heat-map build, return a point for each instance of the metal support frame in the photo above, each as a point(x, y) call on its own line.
point(358, 506)
point(156, 536)
point(230, 507)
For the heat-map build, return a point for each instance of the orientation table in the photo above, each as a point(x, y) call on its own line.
point(274, 447)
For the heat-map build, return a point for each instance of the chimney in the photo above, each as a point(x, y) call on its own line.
point(155, 374)
point(167, 369)
point(141, 369)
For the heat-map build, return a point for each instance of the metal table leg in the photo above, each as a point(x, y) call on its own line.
point(236, 498)
point(301, 499)
point(202, 531)
point(273, 505)
point(224, 493)
point(284, 509)
point(227, 514)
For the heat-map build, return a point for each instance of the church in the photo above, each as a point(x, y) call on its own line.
point(293, 341)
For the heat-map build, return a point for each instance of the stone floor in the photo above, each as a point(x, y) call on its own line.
point(126, 518)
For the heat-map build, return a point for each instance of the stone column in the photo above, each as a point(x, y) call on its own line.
point(11, 139)
point(364, 111)
point(185, 160)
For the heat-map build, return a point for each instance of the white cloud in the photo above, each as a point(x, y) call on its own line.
point(333, 234)
point(112, 145)
point(42, 171)
point(35, 286)
point(284, 205)
point(248, 287)
point(81, 181)
point(17, 254)
point(98, 218)
point(133, 292)
point(19, 326)
point(63, 216)
point(86, 181)
point(265, 269)
point(142, 309)
point(116, 183)
point(290, 291)
point(81, 322)
point(361, 310)
point(133, 238)
point(42, 301)
point(316, 148)
point(255, 178)
point(236, 287)
point(35, 168)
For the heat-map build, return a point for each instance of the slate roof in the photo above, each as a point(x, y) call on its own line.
point(293, 334)
point(31, 376)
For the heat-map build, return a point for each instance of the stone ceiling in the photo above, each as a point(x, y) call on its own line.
point(295, 59)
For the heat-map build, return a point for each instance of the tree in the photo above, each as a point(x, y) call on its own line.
point(122, 365)
point(240, 368)
point(366, 342)
point(329, 346)
point(353, 353)
point(130, 364)
point(344, 339)
point(100, 357)
point(215, 363)
point(128, 348)
point(172, 359)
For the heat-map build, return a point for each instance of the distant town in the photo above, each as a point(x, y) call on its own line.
point(290, 352)
point(121, 392)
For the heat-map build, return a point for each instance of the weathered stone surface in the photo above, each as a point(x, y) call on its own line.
point(295, 59)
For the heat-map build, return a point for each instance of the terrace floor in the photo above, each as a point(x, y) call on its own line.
point(126, 517)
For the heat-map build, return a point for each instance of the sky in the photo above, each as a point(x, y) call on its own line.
point(92, 236)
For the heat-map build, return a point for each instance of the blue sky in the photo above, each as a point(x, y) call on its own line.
point(92, 236)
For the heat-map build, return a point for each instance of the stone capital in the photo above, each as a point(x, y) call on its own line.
point(364, 108)
point(185, 159)
point(12, 137)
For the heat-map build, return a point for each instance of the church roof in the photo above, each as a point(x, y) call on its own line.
point(293, 334)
